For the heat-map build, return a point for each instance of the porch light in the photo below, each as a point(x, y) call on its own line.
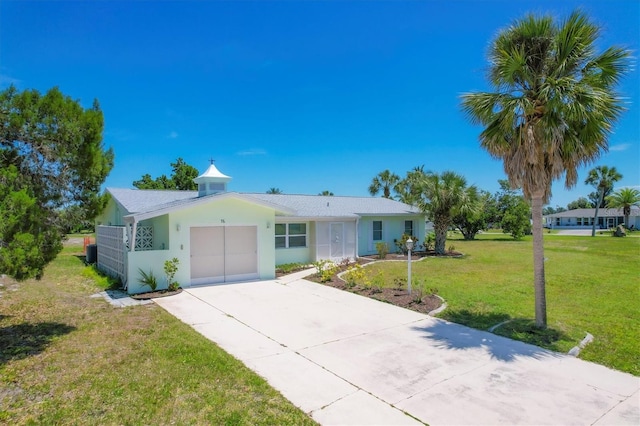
point(409, 245)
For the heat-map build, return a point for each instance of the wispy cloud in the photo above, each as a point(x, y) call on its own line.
point(620, 147)
point(630, 186)
point(6, 80)
point(172, 135)
point(254, 151)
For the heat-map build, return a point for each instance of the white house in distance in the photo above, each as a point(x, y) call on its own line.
point(583, 218)
point(220, 236)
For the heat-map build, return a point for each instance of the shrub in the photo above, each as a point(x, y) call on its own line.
point(383, 249)
point(325, 269)
point(401, 244)
point(170, 269)
point(451, 248)
point(430, 241)
point(356, 275)
point(148, 279)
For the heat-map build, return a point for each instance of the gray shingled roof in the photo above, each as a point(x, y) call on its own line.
point(592, 212)
point(144, 201)
point(336, 206)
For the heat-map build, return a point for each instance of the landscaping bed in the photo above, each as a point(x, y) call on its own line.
point(419, 300)
point(155, 294)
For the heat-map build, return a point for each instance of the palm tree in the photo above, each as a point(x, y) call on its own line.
point(445, 196)
point(274, 191)
point(384, 181)
point(602, 178)
point(624, 198)
point(326, 193)
point(408, 189)
point(550, 113)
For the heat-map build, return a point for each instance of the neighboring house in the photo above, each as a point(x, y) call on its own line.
point(583, 218)
point(221, 236)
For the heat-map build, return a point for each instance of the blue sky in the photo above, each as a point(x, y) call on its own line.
point(305, 96)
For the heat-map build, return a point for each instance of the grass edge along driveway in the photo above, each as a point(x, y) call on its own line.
point(67, 358)
point(592, 286)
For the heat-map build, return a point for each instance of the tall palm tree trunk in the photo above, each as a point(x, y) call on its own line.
point(440, 227)
point(626, 210)
point(538, 262)
point(595, 218)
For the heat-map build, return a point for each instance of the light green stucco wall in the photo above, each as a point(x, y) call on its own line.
point(298, 254)
point(112, 214)
point(161, 234)
point(224, 212)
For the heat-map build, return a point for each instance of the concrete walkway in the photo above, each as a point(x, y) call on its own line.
point(347, 359)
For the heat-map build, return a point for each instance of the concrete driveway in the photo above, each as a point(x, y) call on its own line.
point(346, 359)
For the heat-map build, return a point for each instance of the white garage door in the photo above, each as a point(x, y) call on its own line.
point(223, 254)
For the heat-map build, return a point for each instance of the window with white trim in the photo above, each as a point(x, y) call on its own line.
point(290, 235)
point(408, 227)
point(377, 230)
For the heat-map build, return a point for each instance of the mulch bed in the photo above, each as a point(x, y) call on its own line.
point(395, 296)
point(155, 294)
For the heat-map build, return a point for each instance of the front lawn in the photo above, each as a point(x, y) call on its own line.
point(593, 286)
point(66, 358)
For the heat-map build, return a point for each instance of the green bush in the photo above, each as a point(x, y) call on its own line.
point(383, 249)
point(356, 275)
point(148, 279)
point(430, 241)
point(325, 270)
point(170, 269)
point(401, 244)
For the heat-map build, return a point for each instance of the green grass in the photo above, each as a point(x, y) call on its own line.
point(70, 359)
point(593, 285)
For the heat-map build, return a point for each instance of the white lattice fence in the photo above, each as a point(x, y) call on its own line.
point(112, 251)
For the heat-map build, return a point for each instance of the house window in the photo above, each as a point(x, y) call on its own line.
point(408, 227)
point(377, 230)
point(579, 221)
point(557, 221)
point(290, 235)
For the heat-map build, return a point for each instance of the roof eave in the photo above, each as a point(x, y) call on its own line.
point(137, 217)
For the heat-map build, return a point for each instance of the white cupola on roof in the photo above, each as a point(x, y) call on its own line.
point(211, 181)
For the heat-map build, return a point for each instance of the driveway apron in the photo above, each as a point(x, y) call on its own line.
point(347, 359)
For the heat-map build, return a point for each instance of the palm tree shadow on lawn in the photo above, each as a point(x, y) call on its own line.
point(449, 335)
point(23, 340)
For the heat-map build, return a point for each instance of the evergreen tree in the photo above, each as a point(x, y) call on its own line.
point(51, 158)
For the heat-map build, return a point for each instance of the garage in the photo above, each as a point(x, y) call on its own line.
point(222, 254)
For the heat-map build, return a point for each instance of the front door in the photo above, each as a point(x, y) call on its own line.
point(337, 240)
